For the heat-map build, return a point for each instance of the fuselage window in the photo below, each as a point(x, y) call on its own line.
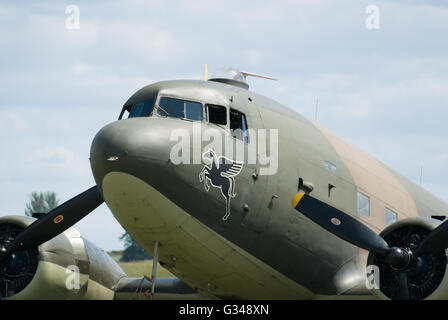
point(363, 205)
point(391, 217)
point(217, 114)
point(330, 166)
point(238, 125)
point(142, 109)
point(177, 108)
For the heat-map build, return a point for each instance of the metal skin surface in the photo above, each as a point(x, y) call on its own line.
point(98, 273)
point(262, 225)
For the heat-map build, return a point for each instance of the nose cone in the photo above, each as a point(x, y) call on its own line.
point(131, 146)
point(130, 161)
point(131, 137)
point(133, 169)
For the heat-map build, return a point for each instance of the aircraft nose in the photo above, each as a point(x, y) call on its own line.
point(142, 186)
point(128, 146)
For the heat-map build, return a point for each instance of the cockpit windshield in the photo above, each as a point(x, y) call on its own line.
point(141, 109)
point(177, 108)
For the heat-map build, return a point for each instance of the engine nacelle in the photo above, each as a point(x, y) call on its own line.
point(427, 278)
point(65, 267)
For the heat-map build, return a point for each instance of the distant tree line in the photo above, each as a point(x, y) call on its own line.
point(41, 203)
point(132, 250)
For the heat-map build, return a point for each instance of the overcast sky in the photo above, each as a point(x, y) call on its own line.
point(385, 90)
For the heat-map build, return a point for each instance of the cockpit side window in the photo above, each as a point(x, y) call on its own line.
point(217, 114)
point(238, 125)
point(177, 108)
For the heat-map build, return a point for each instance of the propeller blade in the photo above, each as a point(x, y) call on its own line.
point(56, 221)
point(340, 224)
point(403, 290)
point(436, 240)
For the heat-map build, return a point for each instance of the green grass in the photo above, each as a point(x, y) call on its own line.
point(137, 269)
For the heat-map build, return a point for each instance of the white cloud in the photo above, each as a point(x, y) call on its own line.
point(60, 159)
point(253, 58)
point(12, 123)
point(81, 68)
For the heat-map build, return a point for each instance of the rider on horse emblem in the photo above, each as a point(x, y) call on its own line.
point(220, 172)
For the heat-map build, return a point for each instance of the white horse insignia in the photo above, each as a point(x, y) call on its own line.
point(220, 172)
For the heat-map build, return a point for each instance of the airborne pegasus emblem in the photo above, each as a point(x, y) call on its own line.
point(220, 173)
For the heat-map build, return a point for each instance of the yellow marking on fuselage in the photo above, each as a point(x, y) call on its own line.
point(296, 199)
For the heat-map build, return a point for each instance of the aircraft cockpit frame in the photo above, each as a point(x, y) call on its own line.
point(231, 117)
